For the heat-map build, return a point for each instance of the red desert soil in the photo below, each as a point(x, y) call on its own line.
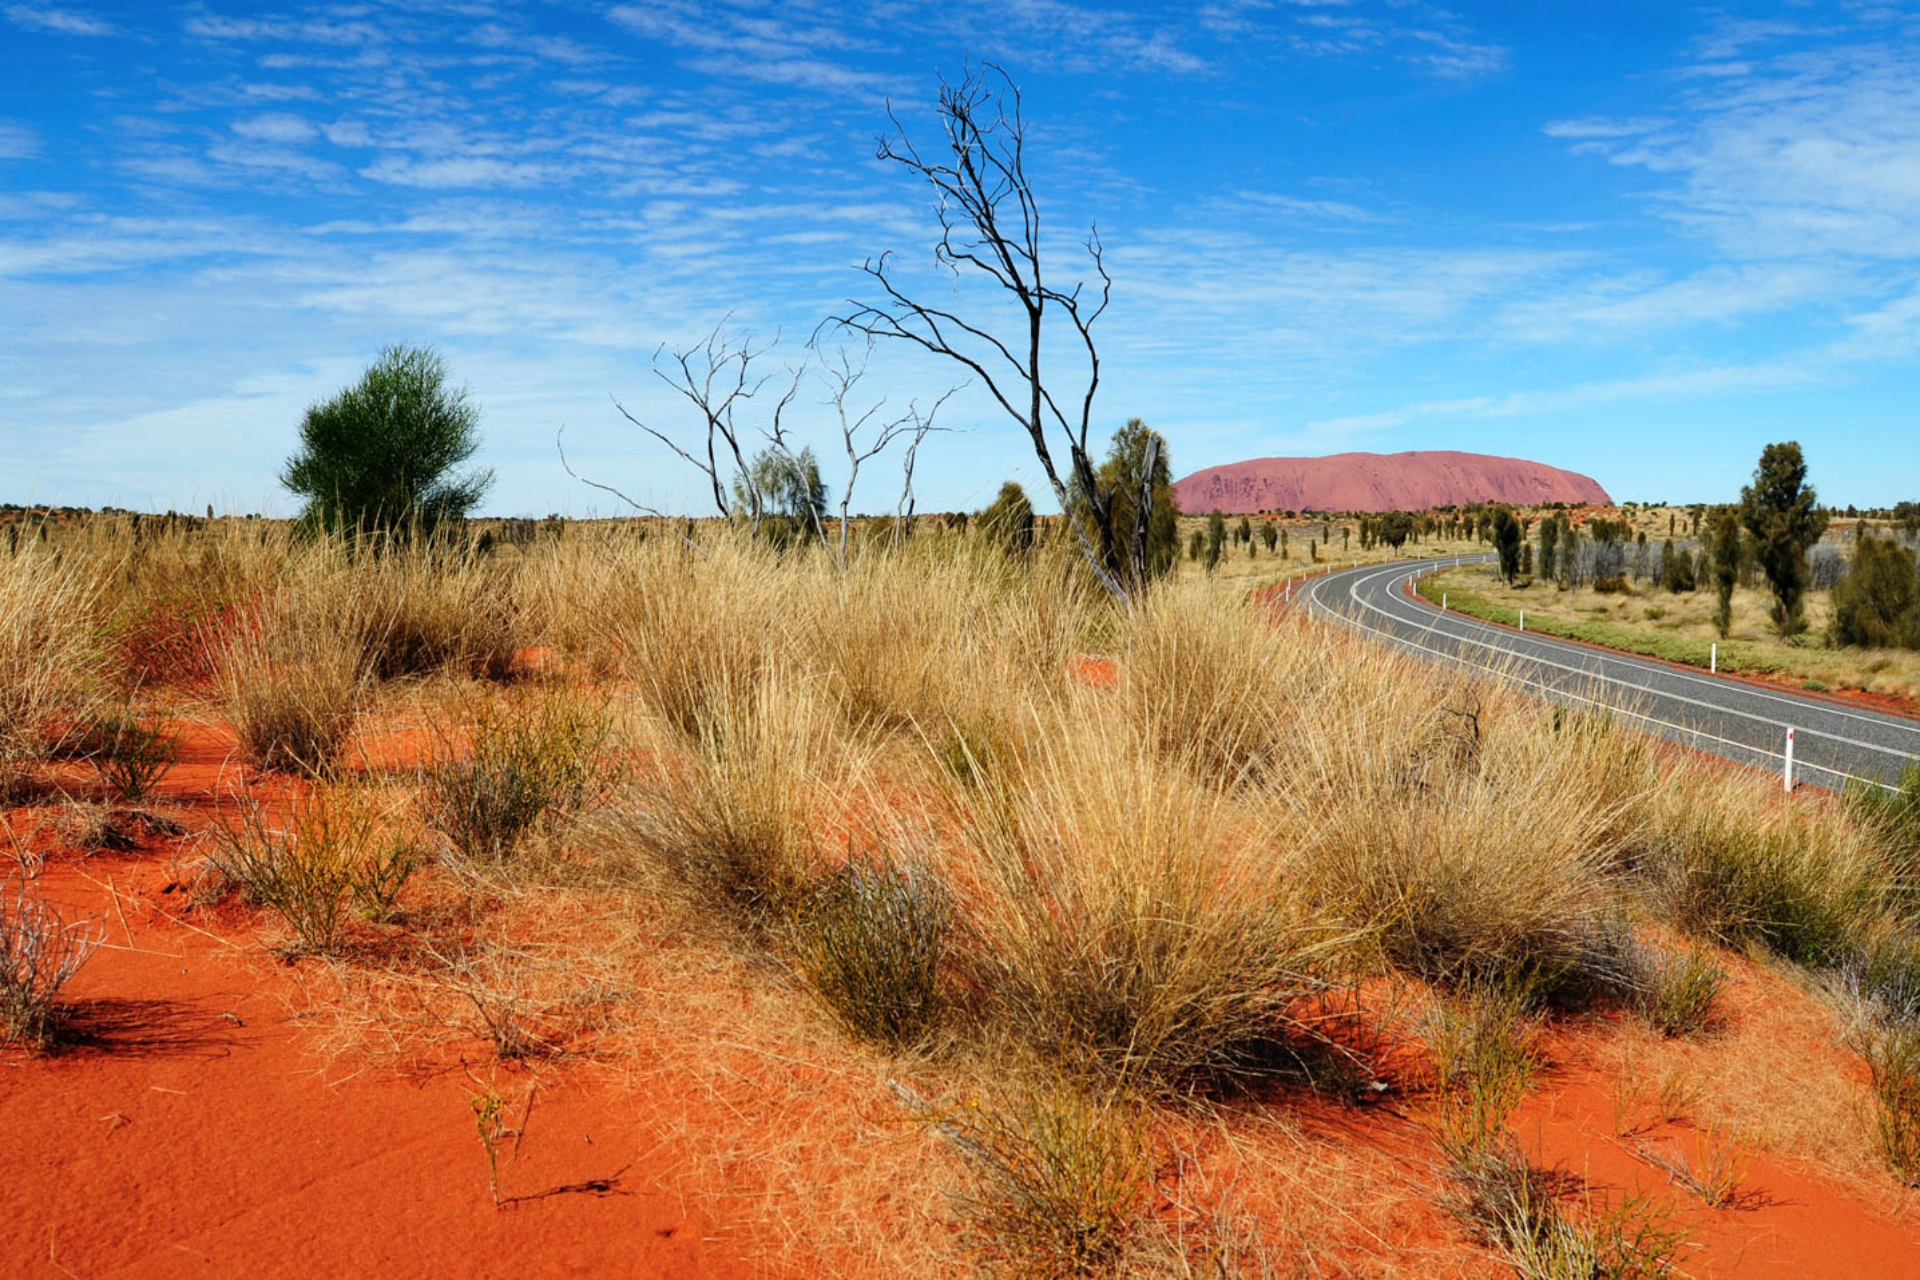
point(1380, 482)
point(195, 1131)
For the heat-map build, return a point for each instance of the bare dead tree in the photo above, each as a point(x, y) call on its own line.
point(922, 427)
point(865, 435)
point(990, 225)
point(717, 378)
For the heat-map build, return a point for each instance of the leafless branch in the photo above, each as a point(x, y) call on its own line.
point(990, 226)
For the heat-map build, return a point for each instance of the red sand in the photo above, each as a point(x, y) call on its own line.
point(197, 1133)
point(1379, 482)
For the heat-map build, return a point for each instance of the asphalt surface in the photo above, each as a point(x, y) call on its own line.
point(1832, 744)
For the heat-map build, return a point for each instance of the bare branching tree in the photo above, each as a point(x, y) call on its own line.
point(718, 377)
point(866, 435)
point(990, 226)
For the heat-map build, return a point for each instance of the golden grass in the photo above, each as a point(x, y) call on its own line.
point(1160, 888)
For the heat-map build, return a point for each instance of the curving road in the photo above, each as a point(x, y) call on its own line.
point(1832, 744)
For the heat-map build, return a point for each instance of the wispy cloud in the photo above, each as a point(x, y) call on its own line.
point(17, 141)
point(65, 22)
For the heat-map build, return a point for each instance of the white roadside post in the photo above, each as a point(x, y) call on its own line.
point(1713, 661)
point(1523, 619)
point(1443, 602)
point(1787, 779)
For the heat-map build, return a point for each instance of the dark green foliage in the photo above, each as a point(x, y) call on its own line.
point(871, 939)
point(1725, 531)
point(1507, 537)
point(1243, 532)
point(1394, 528)
point(1216, 538)
point(382, 454)
point(1269, 534)
point(1120, 479)
point(1878, 602)
point(1007, 523)
point(1196, 545)
point(1780, 513)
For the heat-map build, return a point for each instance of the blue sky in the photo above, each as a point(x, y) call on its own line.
point(1636, 240)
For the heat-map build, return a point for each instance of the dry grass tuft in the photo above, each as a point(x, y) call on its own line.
point(532, 761)
point(39, 954)
point(1124, 912)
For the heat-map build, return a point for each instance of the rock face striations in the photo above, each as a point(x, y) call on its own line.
point(1380, 482)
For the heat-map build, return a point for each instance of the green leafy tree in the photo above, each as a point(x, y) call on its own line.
point(785, 488)
point(1395, 528)
point(1878, 602)
point(1549, 539)
point(1269, 535)
point(1507, 537)
point(1007, 523)
point(1780, 512)
point(1216, 538)
point(1120, 480)
point(1196, 545)
point(1725, 532)
point(1243, 532)
point(384, 454)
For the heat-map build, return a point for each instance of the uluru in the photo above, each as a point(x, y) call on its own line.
point(1380, 482)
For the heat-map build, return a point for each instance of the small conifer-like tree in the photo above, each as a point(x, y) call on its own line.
point(1216, 538)
point(1007, 523)
point(1781, 514)
point(1725, 531)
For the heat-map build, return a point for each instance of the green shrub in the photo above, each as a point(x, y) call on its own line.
point(333, 849)
point(379, 456)
point(871, 939)
point(1893, 1060)
point(131, 755)
point(531, 762)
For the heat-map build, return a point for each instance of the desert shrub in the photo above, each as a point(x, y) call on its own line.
point(1893, 818)
point(1490, 845)
point(435, 606)
point(1676, 991)
point(1484, 1056)
point(1612, 585)
point(132, 755)
point(1203, 678)
point(728, 811)
point(293, 684)
point(535, 760)
point(1061, 1180)
point(1121, 917)
point(39, 954)
point(1881, 971)
point(1892, 1052)
point(871, 939)
point(46, 618)
point(1802, 890)
point(1007, 522)
point(334, 848)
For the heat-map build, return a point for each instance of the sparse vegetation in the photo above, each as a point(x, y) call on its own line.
point(40, 952)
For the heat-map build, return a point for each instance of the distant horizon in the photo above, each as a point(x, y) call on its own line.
point(1636, 244)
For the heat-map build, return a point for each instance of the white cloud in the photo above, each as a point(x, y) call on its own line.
point(66, 22)
point(18, 142)
point(276, 126)
point(1807, 152)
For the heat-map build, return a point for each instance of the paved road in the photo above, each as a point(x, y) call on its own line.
point(1831, 744)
